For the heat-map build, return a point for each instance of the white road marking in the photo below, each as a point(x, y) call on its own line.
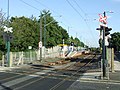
point(16, 81)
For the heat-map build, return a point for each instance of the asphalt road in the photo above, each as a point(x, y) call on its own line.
point(12, 81)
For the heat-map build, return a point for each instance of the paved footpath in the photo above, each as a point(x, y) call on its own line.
point(114, 77)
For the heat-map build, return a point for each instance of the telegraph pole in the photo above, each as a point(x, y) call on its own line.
point(44, 36)
point(40, 46)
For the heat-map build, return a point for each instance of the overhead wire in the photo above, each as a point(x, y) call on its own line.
point(29, 5)
point(81, 16)
point(53, 11)
point(44, 6)
point(85, 20)
point(75, 9)
point(79, 7)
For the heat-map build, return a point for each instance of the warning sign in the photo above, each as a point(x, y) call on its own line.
point(40, 44)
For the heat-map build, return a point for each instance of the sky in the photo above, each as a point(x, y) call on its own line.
point(79, 17)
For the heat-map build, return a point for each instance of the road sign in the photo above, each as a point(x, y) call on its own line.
point(6, 29)
point(40, 44)
point(103, 19)
point(102, 24)
point(29, 47)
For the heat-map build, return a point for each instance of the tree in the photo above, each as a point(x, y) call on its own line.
point(115, 41)
point(2, 42)
point(76, 42)
point(54, 33)
point(2, 23)
point(25, 33)
point(2, 18)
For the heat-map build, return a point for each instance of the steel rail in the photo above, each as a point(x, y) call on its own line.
point(61, 82)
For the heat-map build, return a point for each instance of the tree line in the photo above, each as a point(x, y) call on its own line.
point(26, 32)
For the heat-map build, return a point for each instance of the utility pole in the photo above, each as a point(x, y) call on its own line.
point(40, 38)
point(44, 36)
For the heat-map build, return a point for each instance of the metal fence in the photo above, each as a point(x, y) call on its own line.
point(18, 58)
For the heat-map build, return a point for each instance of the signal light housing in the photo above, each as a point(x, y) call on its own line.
point(107, 31)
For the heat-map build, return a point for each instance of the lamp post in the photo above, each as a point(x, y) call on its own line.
point(45, 34)
point(45, 25)
point(40, 43)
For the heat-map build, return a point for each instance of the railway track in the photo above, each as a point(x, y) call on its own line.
point(82, 68)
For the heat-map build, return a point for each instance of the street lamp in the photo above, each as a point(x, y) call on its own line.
point(40, 43)
point(45, 34)
point(45, 25)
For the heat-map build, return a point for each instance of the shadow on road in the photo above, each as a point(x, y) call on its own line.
point(40, 66)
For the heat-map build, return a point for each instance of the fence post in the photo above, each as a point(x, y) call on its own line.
point(3, 59)
point(11, 59)
point(22, 58)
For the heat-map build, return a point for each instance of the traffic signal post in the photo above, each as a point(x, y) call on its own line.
point(105, 32)
point(104, 54)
